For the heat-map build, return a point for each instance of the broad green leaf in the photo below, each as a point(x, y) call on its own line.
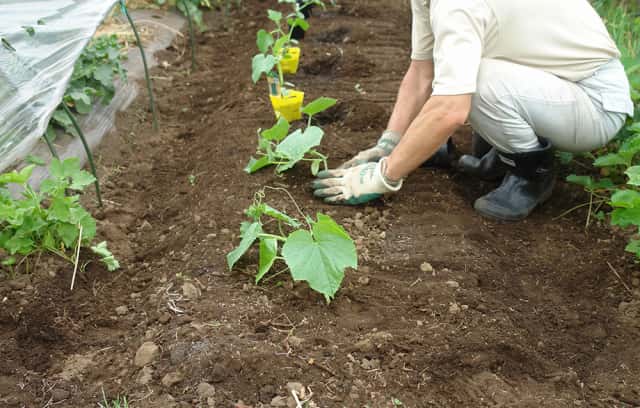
point(297, 144)
point(634, 175)
point(104, 75)
point(319, 105)
point(611, 159)
point(67, 168)
point(274, 16)
point(106, 256)
point(278, 46)
point(261, 64)
point(623, 217)
point(278, 132)
point(634, 127)
point(268, 253)
point(264, 40)
point(17, 177)
point(19, 244)
point(320, 257)
point(82, 102)
point(248, 238)
point(626, 199)
point(590, 184)
point(565, 157)
point(584, 181)
point(298, 22)
point(81, 179)
point(634, 247)
point(68, 233)
point(630, 147)
point(257, 164)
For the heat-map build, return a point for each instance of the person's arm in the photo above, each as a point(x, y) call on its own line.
point(440, 117)
point(414, 92)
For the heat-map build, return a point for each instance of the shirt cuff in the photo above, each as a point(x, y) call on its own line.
point(453, 90)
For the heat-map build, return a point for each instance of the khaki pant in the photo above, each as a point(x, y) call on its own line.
point(515, 104)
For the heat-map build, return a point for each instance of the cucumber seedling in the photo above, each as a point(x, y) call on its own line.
point(273, 46)
point(276, 146)
point(316, 251)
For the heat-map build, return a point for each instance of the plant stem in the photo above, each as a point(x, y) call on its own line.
point(577, 207)
point(86, 149)
point(52, 148)
point(192, 36)
point(275, 274)
point(278, 237)
point(152, 102)
point(295, 203)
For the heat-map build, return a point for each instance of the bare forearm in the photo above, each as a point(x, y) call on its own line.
point(439, 118)
point(414, 92)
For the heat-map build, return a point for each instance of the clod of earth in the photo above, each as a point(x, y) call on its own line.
point(146, 354)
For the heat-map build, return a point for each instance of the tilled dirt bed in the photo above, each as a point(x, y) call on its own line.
point(447, 309)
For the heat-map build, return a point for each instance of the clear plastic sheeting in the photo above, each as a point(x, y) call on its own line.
point(40, 43)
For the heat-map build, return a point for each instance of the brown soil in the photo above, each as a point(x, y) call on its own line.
point(512, 315)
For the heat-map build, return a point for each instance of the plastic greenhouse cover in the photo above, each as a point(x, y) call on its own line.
point(36, 65)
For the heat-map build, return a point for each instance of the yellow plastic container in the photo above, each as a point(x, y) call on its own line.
point(290, 61)
point(288, 106)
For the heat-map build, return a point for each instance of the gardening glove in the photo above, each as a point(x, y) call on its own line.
point(355, 185)
point(383, 148)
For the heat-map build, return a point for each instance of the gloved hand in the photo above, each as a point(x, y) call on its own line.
point(385, 145)
point(355, 185)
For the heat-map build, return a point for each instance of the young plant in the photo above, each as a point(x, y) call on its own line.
point(276, 146)
point(49, 219)
point(317, 254)
point(92, 81)
point(273, 46)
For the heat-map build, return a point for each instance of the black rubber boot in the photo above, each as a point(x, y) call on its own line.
point(529, 182)
point(444, 157)
point(488, 167)
point(479, 146)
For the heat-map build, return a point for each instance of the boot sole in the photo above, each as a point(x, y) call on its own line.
point(500, 217)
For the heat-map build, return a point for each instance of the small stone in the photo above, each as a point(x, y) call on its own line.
point(278, 401)
point(635, 282)
point(623, 306)
point(452, 284)
point(370, 364)
point(190, 291)
point(363, 280)
point(172, 379)
point(164, 318)
point(482, 308)
point(17, 285)
point(426, 267)
point(225, 231)
point(59, 394)
point(122, 310)
point(383, 235)
point(145, 376)
point(206, 390)
point(359, 224)
point(454, 308)
point(295, 341)
point(297, 387)
point(146, 354)
point(364, 346)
